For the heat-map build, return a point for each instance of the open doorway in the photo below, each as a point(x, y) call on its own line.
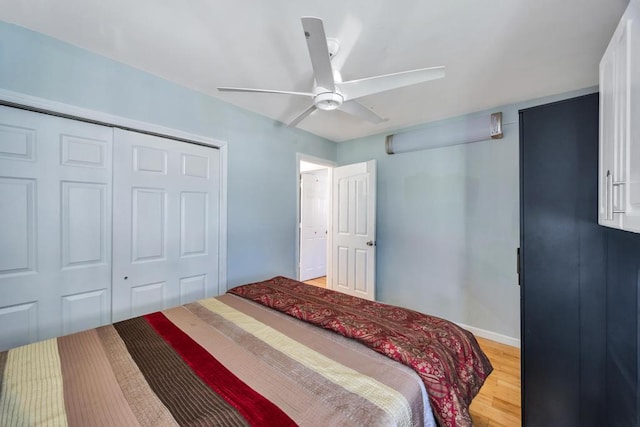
point(314, 177)
point(313, 222)
point(335, 237)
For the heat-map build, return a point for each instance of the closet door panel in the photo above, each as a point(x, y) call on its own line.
point(193, 223)
point(166, 221)
point(147, 298)
point(148, 224)
point(17, 142)
point(55, 224)
point(192, 288)
point(18, 226)
point(18, 324)
point(84, 223)
point(85, 310)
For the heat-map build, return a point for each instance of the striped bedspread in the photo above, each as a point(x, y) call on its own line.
point(219, 361)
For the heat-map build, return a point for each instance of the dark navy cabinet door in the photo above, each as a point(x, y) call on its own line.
point(563, 267)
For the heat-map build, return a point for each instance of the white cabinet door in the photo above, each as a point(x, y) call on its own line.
point(354, 228)
point(166, 216)
point(608, 124)
point(631, 218)
point(619, 169)
point(55, 226)
point(313, 225)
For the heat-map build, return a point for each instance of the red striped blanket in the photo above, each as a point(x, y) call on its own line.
point(223, 361)
point(445, 356)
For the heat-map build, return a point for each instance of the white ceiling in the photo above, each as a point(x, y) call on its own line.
point(495, 51)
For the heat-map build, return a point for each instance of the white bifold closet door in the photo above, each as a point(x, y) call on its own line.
point(85, 240)
point(166, 222)
point(55, 226)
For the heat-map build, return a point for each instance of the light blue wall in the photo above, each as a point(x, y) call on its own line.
point(448, 218)
point(262, 152)
point(448, 225)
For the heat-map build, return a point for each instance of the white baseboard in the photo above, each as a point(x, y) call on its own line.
point(493, 336)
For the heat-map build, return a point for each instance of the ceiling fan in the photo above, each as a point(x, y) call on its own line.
point(330, 92)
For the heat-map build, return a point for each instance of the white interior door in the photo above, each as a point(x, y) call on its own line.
point(55, 226)
point(313, 224)
point(354, 227)
point(166, 216)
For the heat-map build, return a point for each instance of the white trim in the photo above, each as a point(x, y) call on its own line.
point(329, 282)
point(43, 105)
point(330, 165)
point(222, 231)
point(493, 336)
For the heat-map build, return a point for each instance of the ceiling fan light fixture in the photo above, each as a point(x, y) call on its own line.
point(329, 91)
point(328, 101)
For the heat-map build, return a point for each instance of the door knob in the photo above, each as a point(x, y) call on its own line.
point(370, 243)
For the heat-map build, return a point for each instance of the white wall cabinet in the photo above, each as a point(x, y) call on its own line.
point(619, 169)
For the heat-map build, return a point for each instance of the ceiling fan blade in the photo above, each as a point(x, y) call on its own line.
point(319, 52)
point(359, 110)
point(358, 88)
point(302, 116)
point(281, 92)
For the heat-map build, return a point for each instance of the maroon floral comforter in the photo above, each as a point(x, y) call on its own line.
point(445, 356)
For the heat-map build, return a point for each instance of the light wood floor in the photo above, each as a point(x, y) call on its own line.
point(498, 403)
point(318, 281)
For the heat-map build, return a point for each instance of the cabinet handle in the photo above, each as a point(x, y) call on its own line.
point(618, 184)
point(609, 196)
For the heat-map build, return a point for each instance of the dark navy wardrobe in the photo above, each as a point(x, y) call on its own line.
point(579, 280)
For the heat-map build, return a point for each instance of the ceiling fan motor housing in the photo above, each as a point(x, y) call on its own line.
point(334, 46)
point(328, 100)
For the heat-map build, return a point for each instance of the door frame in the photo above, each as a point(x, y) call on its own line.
point(330, 165)
point(46, 106)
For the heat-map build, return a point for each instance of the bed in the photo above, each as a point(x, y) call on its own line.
point(272, 353)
